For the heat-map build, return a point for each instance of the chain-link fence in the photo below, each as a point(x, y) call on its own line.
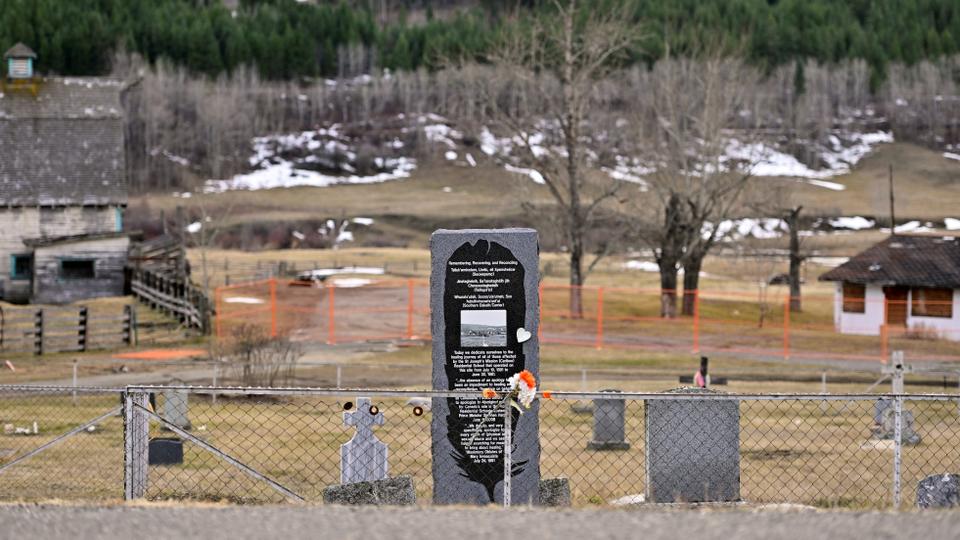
point(61, 443)
point(274, 445)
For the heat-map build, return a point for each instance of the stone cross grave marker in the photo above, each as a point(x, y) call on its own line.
point(609, 429)
point(364, 457)
point(484, 302)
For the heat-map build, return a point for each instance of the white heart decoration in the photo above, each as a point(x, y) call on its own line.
point(523, 335)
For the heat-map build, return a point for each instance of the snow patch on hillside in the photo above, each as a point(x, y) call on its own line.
point(316, 158)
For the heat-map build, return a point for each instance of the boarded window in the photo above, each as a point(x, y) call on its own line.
point(77, 269)
point(21, 266)
point(854, 297)
point(928, 302)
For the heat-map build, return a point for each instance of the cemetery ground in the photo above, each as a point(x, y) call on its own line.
point(814, 453)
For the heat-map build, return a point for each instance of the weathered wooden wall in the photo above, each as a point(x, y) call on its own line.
point(19, 223)
point(50, 287)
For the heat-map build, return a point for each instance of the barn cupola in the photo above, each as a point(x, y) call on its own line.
point(19, 60)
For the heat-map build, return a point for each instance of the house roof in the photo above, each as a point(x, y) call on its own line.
point(57, 240)
point(19, 51)
point(913, 261)
point(63, 146)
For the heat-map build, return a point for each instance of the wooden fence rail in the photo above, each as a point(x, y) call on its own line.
point(173, 297)
point(51, 330)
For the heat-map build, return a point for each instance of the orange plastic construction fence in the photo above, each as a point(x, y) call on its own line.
point(757, 324)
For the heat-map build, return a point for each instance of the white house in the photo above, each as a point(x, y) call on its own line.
point(907, 282)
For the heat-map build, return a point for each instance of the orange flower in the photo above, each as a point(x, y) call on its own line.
point(489, 393)
point(547, 395)
point(528, 379)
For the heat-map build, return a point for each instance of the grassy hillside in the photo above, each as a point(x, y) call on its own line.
point(440, 195)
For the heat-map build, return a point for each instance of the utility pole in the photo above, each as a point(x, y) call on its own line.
point(893, 216)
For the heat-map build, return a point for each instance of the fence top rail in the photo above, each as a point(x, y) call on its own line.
point(381, 392)
point(305, 391)
point(46, 388)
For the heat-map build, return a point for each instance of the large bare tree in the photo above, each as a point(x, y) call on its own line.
point(559, 58)
point(697, 133)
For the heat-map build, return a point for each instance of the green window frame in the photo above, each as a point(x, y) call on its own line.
point(21, 266)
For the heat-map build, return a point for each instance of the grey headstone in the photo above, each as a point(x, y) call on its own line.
point(887, 427)
point(483, 289)
point(939, 491)
point(390, 491)
point(609, 424)
point(692, 449)
point(176, 408)
point(364, 457)
point(554, 492)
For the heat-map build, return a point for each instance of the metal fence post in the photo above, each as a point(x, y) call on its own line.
point(331, 315)
point(136, 434)
point(273, 307)
point(897, 447)
point(599, 337)
point(409, 309)
point(75, 382)
point(507, 453)
point(786, 328)
point(696, 321)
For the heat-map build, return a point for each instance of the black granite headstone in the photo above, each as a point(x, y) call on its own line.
point(165, 451)
point(485, 312)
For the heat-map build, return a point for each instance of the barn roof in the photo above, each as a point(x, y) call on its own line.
point(912, 261)
point(63, 146)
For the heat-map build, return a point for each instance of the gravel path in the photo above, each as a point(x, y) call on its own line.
point(289, 523)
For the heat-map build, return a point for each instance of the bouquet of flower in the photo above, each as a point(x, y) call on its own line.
point(521, 391)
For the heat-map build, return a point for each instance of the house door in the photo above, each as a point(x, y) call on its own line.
point(896, 305)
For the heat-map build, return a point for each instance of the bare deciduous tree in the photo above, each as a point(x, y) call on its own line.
point(559, 58)
point(792, 222)
point(696, 134)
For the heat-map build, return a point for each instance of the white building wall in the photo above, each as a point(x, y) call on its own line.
point(867, 323)
point(944, 327)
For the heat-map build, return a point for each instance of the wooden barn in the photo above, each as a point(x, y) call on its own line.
point(62, 185)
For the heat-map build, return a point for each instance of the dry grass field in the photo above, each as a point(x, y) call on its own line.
point(810, 452)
